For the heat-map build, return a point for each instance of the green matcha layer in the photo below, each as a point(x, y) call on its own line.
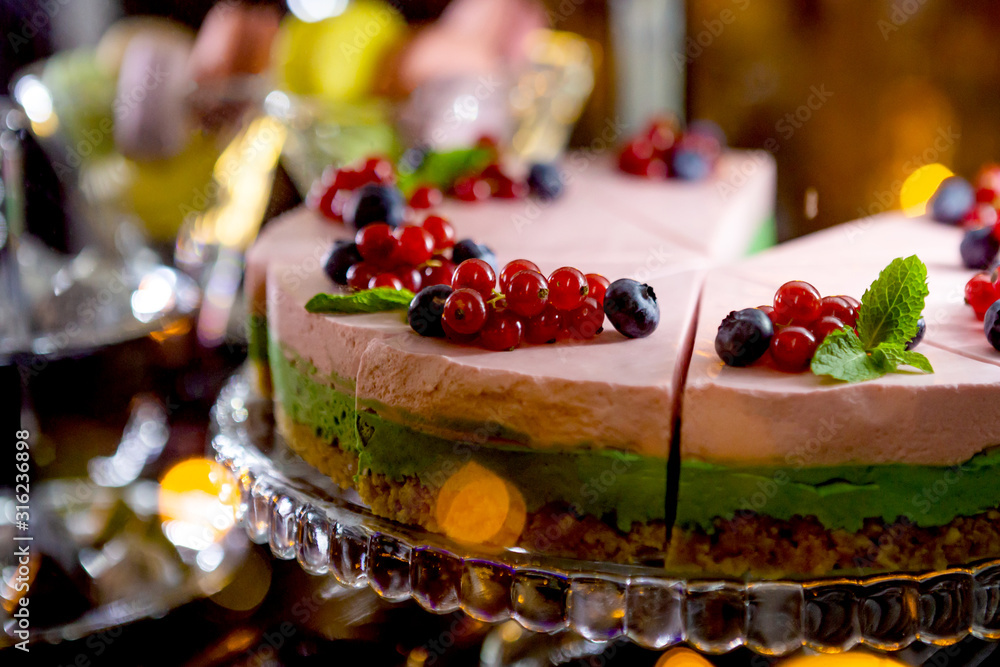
point(840, 497)
point(620, 487)
point(257, 338)
point(323, 403)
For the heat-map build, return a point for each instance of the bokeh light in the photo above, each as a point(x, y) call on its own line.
point(920, 186)
point(477, 506)
point(196, 503)
point(682, 657)
point(851, 659)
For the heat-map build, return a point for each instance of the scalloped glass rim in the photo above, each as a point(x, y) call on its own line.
point(602, 602)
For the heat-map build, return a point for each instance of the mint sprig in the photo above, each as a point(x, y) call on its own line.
point(887, 321)
point(443, 169)
point(375, 300)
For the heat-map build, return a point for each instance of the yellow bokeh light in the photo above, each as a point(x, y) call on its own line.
point(477, 506)
point(682, 657)
point(851, 659)
point(920, 186)
point(196, 502)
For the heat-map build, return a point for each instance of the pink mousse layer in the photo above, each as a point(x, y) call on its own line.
point(761, 415)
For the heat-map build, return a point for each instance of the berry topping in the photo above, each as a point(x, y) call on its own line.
point(597, 287)
point(472, 189)
point(792, 349)
point(586, 321)
point(508, 188)
point(953, 199)
point(919, 336)
point(635, 157)
point(426, 196)
point(344, 255)
point(477, 275)
point(360, 274)
point(426, 309)
point(502, 331)
point(631, 306)
point(662, 133)
point(385, 280)
point(991, 325)
point(769, 311)
point(373, 203)
point(980, 293)
point(378, 169)
point(376, 243)
point(545, 181)
point(825, 326)
point(469, 249)
point(544, 327)
point(412, 279)
point(441, 230)
point(796, 302)
point(567, 288)
point(438, 272)
point(527, 293)
point(513, 268)
point(415, 245)
point(464, 311)
point(744, 336)
point(979, 248)
point(840, 308)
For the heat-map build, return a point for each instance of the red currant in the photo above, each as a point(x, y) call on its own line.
point(544, 327)
point(438, 273)
point(508, 188)
point(826, 325)
point(464, 311)
point(376, 243)
point(502, 331)
point(852, 302)
point(441, 230)
point(986, 195)
point(656, 169)
point(472, 189)
point(597, 287)
point(512, 269)
point(426, 196)
point(769, 311)
point(567, 288)
point(411, 278)
point(586, 321)
point(321, 198)
point(416, 245)
point(360, 274)
point(980, 293)
point(527, 293)
point(662, 133)
point(792, 349)
point(635, 157)
point(796, 302)
point(385, 280)
point(476, 275)
point(838, 306)
point(379, 168)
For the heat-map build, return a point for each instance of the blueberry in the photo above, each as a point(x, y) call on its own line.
point(631, 306)
point(469, 249)
point(744, 337)
point(343, 256)
point(979, 248)
point(690, 164)
point(545, 181)
point(919, 336)
point(953, 199)
point(991, 325)
point(375, 202)
point(424, 314)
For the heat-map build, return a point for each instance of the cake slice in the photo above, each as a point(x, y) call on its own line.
point(798, 474)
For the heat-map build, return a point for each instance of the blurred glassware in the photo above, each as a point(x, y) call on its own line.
point(141, 550)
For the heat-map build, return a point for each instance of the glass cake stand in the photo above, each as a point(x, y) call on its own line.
point(300, 514)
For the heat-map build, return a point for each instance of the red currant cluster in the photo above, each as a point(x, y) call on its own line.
point(329, 194)
point(410, 256)
point(491, 181)
point(802, 319)
point(662, 151)
point(982, 291)
point(528, 308)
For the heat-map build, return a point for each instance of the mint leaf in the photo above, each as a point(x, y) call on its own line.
point(443, 169)
point(892, 305)
point(375, 300)
point(843, 357)
point(893, 355)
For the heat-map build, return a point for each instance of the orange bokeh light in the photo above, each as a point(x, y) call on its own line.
point(478, 506)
